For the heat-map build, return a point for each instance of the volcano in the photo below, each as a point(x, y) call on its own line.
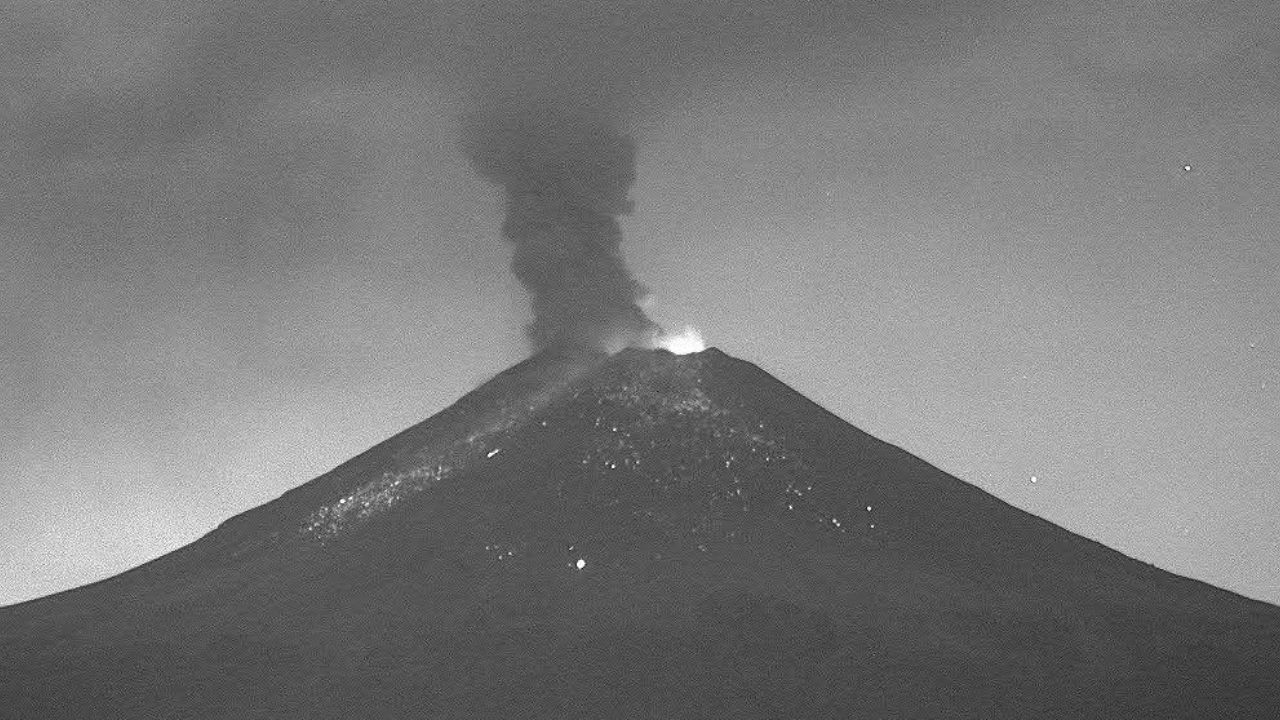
point(642, 535)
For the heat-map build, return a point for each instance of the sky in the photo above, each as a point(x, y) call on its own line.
point(1034, 243)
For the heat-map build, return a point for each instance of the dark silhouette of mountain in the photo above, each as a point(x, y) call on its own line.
point(640, 536)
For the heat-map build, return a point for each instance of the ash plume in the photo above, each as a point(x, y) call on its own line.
point(566, 176)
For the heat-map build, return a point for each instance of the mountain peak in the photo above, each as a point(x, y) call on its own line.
point(640, 534)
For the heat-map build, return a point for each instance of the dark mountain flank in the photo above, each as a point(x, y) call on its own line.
point(640, 536)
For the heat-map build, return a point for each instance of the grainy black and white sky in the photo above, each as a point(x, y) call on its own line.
point(1034, 242)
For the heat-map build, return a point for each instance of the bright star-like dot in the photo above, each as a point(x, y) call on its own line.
point(581, 563)
point(1186, 168)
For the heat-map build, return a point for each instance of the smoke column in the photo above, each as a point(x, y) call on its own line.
point(554, 84)
point(566, 176)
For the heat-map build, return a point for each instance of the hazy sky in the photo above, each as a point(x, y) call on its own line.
point(1035, 243)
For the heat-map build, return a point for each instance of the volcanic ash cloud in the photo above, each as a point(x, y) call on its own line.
point(566, 178)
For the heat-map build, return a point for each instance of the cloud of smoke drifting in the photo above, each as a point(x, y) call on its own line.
point(239, 138)
point(554, 88)
point(566, 176)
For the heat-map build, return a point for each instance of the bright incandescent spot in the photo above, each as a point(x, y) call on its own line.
point(688, 340)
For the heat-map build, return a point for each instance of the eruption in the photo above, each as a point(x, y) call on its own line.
point(566, 177)
point(688, 340)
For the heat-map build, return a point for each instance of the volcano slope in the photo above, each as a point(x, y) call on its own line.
point(644, 535)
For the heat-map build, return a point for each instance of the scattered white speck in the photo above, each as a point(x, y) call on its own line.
point(873, 526)
point(1186, 168)
point(868, 508)
point(493, 452)
point(581, 563)
point(1033, 478)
